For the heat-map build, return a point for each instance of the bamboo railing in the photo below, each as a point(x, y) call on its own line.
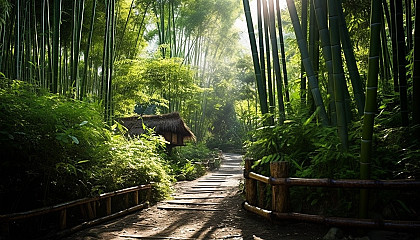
point(89, 211)
point(280, 183)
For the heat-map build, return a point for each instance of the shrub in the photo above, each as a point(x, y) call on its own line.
point(55, 149)
point(189, 162)
point(133, 162)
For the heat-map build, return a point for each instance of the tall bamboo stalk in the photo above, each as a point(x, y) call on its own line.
point(141, 29)
point(351, 61)
point(401, 61)
point(409, 25)
point(56, 45)
point(83, 83)
point(394, 46)
point(313, 39)
point(338, 73)
point(173, 49)
point(282, 51)
point(385, 57)
point(313, 83)
point(261, 92)
point(17, 52)
point(276, 60)
point(416, 67)
point(304, 25)
point(162, 25)
point(370, 105)
point(125, 25)
point(262, 57)
point(270, 86)
point(321, 14)
point(108, 54)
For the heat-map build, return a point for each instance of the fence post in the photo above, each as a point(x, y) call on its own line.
point(108, 206)
point(136, 197)
point(63, 219)
point(149, 193)
point(261, 194)
point(126, 200)
point(250, 184)
point(280, 198)
point(91, 214)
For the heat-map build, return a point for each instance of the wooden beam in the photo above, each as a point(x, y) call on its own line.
point(190, 203)
point(197, 197)
point(188, 208)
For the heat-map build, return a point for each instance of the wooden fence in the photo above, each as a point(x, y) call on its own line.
point(280, 183)
point(72, 216)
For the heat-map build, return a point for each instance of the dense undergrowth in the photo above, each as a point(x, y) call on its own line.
point(192, 161)
point(314, 151)
point(56, 149)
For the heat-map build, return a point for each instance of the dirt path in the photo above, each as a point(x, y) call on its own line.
point(207, 208)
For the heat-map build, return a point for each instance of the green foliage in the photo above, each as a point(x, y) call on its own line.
point(312, 150)
point(162, 82)
point(4, 11)
point(55, 149)
point(189, 162)
point(315, 152)
point(226, 130)
point(135, 161)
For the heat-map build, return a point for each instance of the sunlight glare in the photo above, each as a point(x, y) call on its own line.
point(241, 24)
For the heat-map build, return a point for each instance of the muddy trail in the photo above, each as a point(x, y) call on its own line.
point(206, 208)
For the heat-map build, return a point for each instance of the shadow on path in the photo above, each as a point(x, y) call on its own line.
point(229, 222)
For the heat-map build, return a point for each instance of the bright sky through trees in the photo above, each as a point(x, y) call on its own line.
point(241, 24)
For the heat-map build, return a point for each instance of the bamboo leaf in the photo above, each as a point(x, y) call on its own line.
point(74, 139)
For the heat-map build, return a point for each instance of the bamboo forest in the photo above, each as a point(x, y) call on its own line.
point(101, 96)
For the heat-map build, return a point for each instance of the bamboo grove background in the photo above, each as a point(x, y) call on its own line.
point(391, 50)
point(77, 48)
point(319, 57)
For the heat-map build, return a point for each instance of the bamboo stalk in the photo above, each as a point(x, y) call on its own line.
point(313, 82)
point(304, 24)
point(324, 34)
point(263, 35)
point(56, 45)
point(394, 46)
point(370, 104)
point(338, 74)
point(276, 61)
point(261, 91)
point(401, 46)
point(351, 61)
point(270, 86)
point(416, 69)
point(282, 51)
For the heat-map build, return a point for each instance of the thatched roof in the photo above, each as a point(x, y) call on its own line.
point(171, 122)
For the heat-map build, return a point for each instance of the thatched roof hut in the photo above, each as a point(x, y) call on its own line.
point(170, 126)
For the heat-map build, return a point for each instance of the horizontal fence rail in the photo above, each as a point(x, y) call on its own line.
point(280, 183)
point(336, 221)
point(344, 183)
point(92, 211)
